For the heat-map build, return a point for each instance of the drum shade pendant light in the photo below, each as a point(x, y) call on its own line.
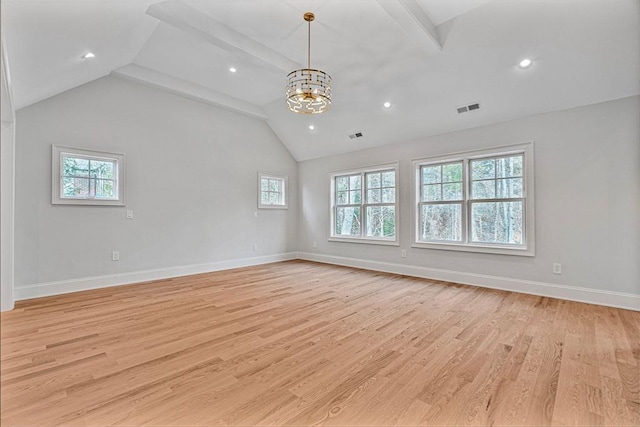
point(308, 90)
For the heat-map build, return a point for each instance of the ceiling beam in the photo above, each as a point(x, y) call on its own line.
point(414, 22)
point(189, 90)
point(186, 18)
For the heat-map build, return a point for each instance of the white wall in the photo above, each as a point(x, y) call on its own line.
point(587, 183)
point(7, 158)
point(7, 144)
point(587, 197)
point(191, 179)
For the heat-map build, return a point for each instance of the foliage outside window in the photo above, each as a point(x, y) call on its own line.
point(497, 200)
point(441, 202)
point(476, 201)
point(273, 191)
point(87, 177)
point(364, 205)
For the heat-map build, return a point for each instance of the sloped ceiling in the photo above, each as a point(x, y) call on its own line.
point(425, 57)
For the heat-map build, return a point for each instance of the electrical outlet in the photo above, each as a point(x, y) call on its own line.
point(115, 256)
point(403, 253)
point(255, 214)
point(129, 214)
point(315, 244)
point(557, 268)
point(255, 247)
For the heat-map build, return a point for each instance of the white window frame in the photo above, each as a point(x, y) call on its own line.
point(285, 190)
point(57, 153)
point(528, 248)
point(363, 205)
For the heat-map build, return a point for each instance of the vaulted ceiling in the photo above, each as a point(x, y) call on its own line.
point(425, 57)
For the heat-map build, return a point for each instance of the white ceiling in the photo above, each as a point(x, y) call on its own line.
point(426, 57)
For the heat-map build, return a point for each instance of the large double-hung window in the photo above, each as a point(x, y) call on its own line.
point(478, 201)
point(364, 205)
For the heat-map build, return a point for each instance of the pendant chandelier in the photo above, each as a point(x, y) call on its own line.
point(308, 90)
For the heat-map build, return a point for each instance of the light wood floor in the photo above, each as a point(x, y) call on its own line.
point(300, 343)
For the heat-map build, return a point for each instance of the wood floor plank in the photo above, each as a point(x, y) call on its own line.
point(302, 343)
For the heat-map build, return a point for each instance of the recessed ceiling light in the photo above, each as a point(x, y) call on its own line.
point(232, 69)
point(525, 63)
point(88, 55)
point(387, 105)
point(311, 127)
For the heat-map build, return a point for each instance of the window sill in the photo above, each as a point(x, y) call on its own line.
point(499, 250)
point(273, 207)
point(365, 241)
point(87, 202)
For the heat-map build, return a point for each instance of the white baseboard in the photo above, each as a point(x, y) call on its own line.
point(83, 284)
point(572, 293)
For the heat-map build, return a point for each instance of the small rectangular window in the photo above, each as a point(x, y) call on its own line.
point(272, 190)
point(364, 205)
point(86, 177)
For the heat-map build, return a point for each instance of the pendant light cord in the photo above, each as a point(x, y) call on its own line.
point(309, 46)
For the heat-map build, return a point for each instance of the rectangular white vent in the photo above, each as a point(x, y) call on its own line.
point(470, 107)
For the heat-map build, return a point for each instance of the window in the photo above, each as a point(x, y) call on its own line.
point(85, 177)
point(273, 191)
point(479, 201)
point(365, 205)
point(496, 200)
point(441, 202)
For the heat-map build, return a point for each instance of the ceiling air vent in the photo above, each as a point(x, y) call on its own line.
point(356, 135)
point(471, 107)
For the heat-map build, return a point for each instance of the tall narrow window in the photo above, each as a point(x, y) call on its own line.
point(272, 191)
point(497, 200)
point(364, 205)
point(381, 204)
point(87, 177)
point(348, 206)
point(441, 202)
point(479, 201)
